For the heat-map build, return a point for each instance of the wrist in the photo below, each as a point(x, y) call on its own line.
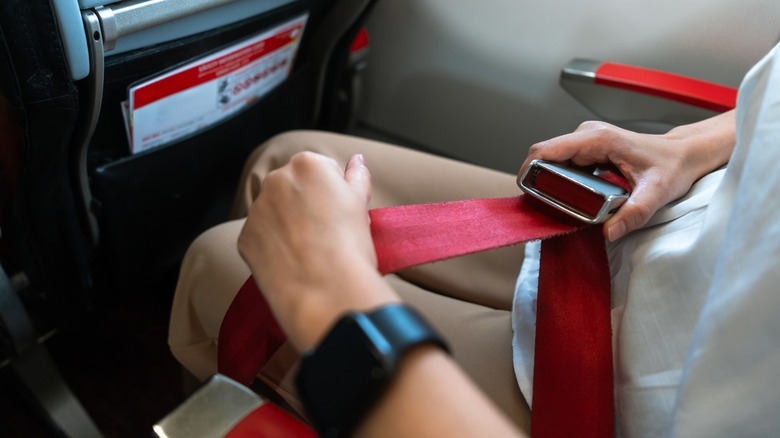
point(320, 306)
point(707, 145)
point(350, 369)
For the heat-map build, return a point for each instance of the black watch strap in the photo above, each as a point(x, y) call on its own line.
point(342, 378)
point(403, 328)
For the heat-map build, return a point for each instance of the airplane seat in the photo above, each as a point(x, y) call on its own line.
point(107, 175)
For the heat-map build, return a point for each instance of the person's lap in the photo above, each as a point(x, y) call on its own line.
point(468, 299)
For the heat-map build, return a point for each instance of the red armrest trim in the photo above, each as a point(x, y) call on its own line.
point(671, 86)
point(360, 42)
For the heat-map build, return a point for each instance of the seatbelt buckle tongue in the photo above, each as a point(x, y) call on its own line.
point(577, 193)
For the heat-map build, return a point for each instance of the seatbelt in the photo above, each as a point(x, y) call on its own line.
point(270, 421)
point(573, 394)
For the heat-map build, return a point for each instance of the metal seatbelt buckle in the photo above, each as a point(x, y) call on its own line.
point(582, 195)
point(212, 410)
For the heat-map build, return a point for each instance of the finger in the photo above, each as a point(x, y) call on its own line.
point(312, 163)
point(560, 150)
point(358, 177)
point(634, 213)
point(582, 147)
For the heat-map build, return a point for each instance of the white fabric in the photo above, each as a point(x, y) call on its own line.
point(524, 319)
point(695, 336)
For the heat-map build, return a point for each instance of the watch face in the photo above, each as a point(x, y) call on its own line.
point(345, 372)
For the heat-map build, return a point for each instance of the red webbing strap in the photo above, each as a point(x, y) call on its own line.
point(249, 335)
point(573, 393)
point(404, 236)
point(270, 421)
point(411, 235)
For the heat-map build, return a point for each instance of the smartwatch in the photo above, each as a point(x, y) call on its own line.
point(340, 380)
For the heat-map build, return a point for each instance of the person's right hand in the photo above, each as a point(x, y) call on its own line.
point(308, 243)
point(659, 168)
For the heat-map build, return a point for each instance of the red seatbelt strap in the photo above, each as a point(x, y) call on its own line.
point(270, 421)
point(573, 377)
point(573, 394)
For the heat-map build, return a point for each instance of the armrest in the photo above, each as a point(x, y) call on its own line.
point(223, 407)
point(621, 92)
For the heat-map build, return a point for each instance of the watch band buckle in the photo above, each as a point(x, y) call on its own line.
point(582, 195)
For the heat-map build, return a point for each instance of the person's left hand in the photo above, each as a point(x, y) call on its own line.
point(308, 243)
point(659, 168)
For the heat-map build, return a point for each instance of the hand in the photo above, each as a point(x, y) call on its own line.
point(659, 168)
point(308, 243)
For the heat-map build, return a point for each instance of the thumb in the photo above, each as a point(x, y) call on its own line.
point(358, 177)
point(634, 213)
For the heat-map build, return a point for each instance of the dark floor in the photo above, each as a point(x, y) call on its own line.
point(116, 360)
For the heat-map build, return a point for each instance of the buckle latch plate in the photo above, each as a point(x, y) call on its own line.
point(582, 195)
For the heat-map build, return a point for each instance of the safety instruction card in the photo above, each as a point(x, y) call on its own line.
point(201, 93)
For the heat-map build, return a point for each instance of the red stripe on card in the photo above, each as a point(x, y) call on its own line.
point(208, 71)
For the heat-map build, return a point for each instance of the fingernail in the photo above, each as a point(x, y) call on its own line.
point(360, 159)
point(616, 231)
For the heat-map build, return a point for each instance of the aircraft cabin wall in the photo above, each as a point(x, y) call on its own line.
point(478, 80)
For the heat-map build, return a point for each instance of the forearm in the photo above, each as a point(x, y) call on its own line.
point(428, 391)
point(709, 143)
point(435, 399)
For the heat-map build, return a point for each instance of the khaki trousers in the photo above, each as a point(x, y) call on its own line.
point(467, 299)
